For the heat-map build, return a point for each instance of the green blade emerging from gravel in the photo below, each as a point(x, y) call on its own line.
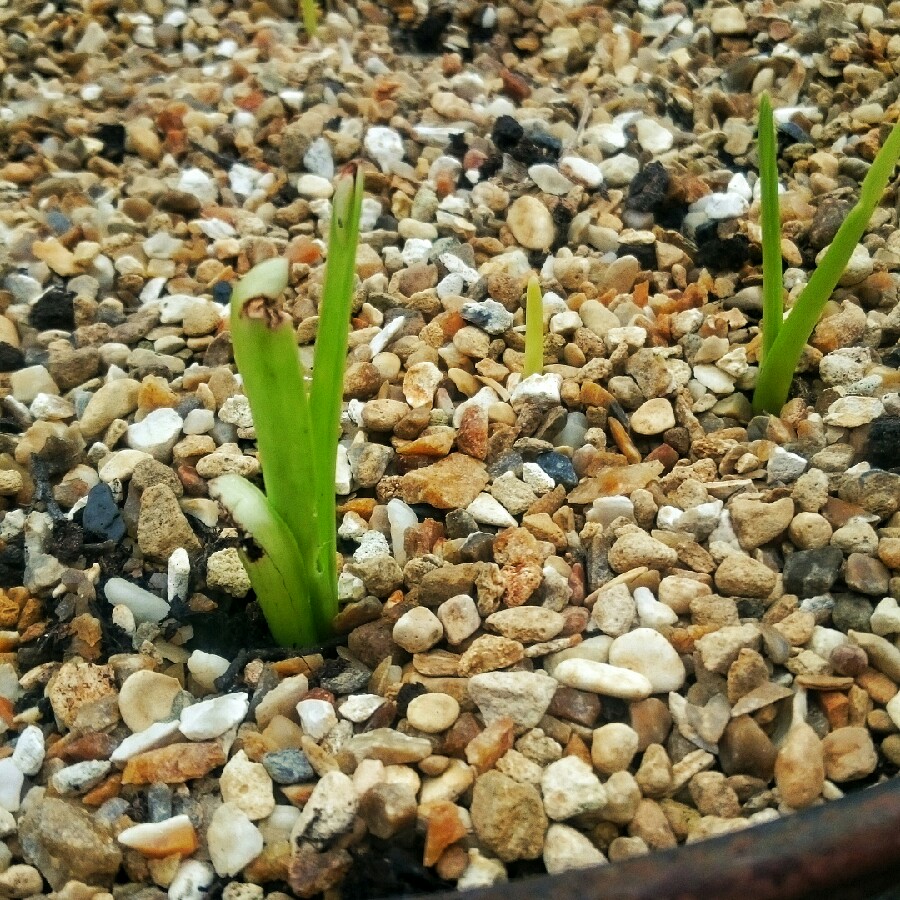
point(534, 329)
point(327, 382)
point(778, 367)
point(272, 560)
point(773, 302)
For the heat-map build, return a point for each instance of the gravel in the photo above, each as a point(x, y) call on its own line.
point(587, 614)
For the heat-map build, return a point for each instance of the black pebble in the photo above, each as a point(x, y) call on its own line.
point(648, 188)
point(429, 34)
point(507, 133)
point(883, 447)
point(11, 358)
point(12, 561)
point(113, 138)
point(55, 308)
point(101, 519)
point(407, 693)
point(721, 254)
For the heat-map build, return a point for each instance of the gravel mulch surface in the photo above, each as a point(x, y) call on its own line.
point(586, 615)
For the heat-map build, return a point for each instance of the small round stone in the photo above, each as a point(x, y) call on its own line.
point(531, 223)
point(418, 630)
point(432, 713)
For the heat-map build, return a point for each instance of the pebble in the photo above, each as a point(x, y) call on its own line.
point(288, 766)
point(648, 653)
point(146, 697)
point(523, 696)
point(211, 718)
point(851, 412)
point(191, 881)
point(12, 778)
point(157, 840)
point(459, 617)
point(653, 417)
point(800, 767)
point(233, 840)
point(849, 754)
point(247, 785)
point(329, 811)
point(80, 777)
point(28, 755)
point(150, 738)
point(487, 510)
point(602, 678)
point(418, 630)
point(531, 223)
point(565, 848)
point(432, 713)
point(570, 788)
point(145, 606)
point(508, 817)
point(317, 717)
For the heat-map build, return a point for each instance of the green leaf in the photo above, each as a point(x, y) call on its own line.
point(272, 560)
point(534, 329)
point(777, 370)
point(773, 302)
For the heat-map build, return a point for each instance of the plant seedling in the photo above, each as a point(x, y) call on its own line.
point(290, 553)
point(534, 329)
point(783, 340)
point(309, 12)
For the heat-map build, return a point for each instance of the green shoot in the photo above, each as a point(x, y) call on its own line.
point(773, 301)
point(310, 15)
point(780, 361)
point(291, 556)
point(534, 329)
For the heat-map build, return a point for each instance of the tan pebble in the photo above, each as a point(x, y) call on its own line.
point(800, 767)
point(432, 713)
point(531, 223)
point(849, 754)
point(613, 747)
point(147, 697)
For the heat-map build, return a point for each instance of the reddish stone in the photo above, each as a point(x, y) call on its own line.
point(666, 454)
point(104, 791)
point(486, 748)
point(472, 436)
point(461, 733)
point(445, 827)
point(174, 764)
point(80, 748)
point(575, 706)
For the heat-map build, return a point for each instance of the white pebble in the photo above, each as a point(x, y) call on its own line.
point(159, 734)
point(11, 780)
point(646, 652)
point(211, 718)
point(317, 717)
point(145, 606)
point(602, 678)
point(233, 840)
point(486, 510)
point(191, 881)
point(29, 753)
point(206, 667)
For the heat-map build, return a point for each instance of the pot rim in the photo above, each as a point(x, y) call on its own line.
point(849, 848)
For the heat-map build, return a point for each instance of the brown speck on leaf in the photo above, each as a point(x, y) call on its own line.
point(266, 309)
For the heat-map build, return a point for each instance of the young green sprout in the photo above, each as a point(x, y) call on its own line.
point(534, 329)
point(783, 341)
point(290, 552)
point(309, 12)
